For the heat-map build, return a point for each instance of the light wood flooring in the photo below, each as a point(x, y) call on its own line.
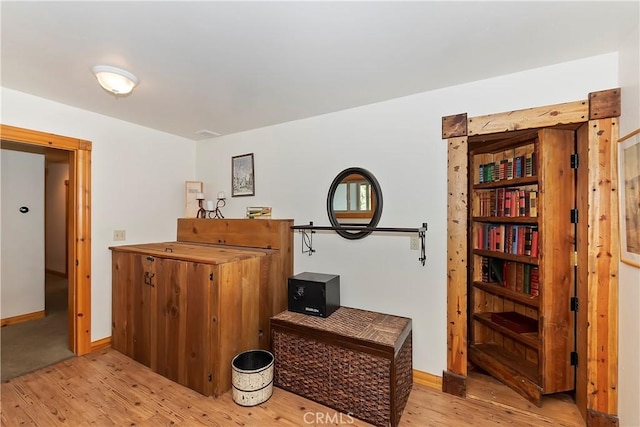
point(105, 388)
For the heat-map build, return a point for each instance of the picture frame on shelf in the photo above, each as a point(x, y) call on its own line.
point(191, 203)
point(629, 183)
point(242, 175)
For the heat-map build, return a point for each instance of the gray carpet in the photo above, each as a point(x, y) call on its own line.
point(35, 344)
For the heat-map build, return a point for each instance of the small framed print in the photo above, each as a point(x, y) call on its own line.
point(191, 203)
point(242, 176)
point(629, 170)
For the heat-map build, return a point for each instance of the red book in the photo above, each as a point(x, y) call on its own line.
point(534, 243)
point(535, 281)
point(520, 250)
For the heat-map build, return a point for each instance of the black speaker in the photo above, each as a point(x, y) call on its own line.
point(316, 294)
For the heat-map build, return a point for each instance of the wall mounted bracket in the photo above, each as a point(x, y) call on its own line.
point(307, 232)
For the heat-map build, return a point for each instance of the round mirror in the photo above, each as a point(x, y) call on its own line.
point(354, 201)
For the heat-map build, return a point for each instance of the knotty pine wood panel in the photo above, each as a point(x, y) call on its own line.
point(211, 254)
point(538, 117)
point(107, 388)
point(457, 178)
point(184, 321)
point(556, 197)
point(238, 323)
point(582, 245)
point(256, 233)
point(603, 264)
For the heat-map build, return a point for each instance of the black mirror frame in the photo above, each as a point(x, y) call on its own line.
point(377, 213)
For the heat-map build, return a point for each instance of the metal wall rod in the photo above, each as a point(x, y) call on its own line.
point(307, 240)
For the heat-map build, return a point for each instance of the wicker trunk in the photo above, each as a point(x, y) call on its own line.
point(355, 361)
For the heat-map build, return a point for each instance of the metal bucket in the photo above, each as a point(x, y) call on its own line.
point(252, 377)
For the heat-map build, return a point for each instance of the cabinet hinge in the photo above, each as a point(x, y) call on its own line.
point(210, 377)
point(574, 216)
point(574, 161)
point(211, 276)
point(77, 263)
point(574, 358)
point(574, 304)
point(574, 259)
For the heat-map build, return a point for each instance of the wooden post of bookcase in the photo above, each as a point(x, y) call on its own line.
point(602, 269)
point(455, 376)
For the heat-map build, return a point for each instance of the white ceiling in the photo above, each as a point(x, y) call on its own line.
point(230, 66)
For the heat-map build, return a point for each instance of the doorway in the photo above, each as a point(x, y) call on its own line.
point(594, 120)
point(78, 223)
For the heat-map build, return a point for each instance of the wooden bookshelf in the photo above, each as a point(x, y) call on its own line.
point(502, 275)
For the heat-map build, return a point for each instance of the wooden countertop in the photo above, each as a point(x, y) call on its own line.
point(195, 252)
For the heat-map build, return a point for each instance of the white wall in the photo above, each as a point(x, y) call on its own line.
point(56, 217)
point(400, 142)
point(629, 291)
point(137, 176)
point(22, 281)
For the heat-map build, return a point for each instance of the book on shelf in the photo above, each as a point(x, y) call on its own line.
point(533, 205)
point(259, 212)
point(526, 279)
point(507, 168)
point(534, 281)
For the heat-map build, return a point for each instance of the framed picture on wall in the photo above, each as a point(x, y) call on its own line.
point(629, 192)
point(191, 203)
point(242, 175)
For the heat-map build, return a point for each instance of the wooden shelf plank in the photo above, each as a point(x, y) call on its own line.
point(508, 257)
point(528, 339)
point(496, 289)
point(525, 180)
point(518, 373)
point(507, 219)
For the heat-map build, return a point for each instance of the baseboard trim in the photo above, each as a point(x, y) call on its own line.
point(100, 344)
point(22, 318)
point(427, 379)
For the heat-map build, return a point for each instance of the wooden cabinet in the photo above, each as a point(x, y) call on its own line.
point(522, 246)
point(186, 308)
point(185, 320)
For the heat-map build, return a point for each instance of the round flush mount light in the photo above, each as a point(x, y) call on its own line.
point(115, 80)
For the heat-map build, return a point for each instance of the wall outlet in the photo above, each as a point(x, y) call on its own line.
point(119, 235)
point(414, 243)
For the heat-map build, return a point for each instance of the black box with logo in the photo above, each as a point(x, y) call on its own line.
point(317, 294)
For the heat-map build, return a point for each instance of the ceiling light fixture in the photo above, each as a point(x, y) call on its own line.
point(115, 80)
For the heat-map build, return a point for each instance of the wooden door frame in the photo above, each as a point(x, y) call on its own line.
point(78, 224)
point(597, 244)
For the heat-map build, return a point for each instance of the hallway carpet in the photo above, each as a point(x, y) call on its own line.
point(32, 345)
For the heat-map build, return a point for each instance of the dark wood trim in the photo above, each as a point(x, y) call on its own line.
point(453, 126)
point(454, 384)
point(598, 419)
point(604, 104)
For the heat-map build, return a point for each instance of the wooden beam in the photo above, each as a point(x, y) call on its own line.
point(531, 118)
point(603, 262)
point(604, 104)
point(457, 195)
point(32, 137)
point(453, 126)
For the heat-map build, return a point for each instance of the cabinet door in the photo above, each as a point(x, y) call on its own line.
point(133, 297)
point(183, 315)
